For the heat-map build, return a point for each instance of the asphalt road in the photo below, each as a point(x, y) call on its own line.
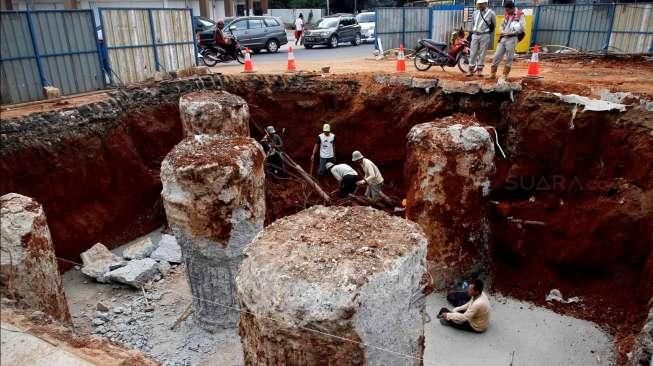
point(318, 53)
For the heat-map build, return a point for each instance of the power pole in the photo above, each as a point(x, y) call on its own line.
point(327, 7)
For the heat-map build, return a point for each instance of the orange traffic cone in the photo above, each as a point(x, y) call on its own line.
point(401, 60)
point(249, 66)
point(534, 65)
point(291, 60)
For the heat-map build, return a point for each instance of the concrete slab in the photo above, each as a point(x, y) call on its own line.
point(536, 335)
point(21, 348)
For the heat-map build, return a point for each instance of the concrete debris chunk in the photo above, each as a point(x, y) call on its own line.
point(101, 307)
point(98, 261)
point(164, 268)
point(168, 250)
point(139, 250)
point(556, 295)
point(136, 273)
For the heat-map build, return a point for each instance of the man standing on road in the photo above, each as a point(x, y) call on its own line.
point(326, 143)
point(372, 176)
point(299, 28)
point(483, 23)
point(346, 176)
point(511, 30)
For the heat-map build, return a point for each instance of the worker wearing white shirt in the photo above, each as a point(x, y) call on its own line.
point(372, 176)
point(483, 22)
point(345, 175)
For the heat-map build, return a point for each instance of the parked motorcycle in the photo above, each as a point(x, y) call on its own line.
point(211, 54)
point(431, 53)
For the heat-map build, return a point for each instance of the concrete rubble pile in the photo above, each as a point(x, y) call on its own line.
point(29, 275)
point(141, 262)
point(448, 169)
point(343, 269)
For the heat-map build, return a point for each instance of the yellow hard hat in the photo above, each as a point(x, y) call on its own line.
point(326, 128)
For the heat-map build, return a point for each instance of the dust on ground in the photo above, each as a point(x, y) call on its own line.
point(520, 333)
point(536, 335)
point(144, 321)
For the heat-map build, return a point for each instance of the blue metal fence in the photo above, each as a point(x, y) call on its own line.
point(48, 48)
point(603, 27)
point(142, 41)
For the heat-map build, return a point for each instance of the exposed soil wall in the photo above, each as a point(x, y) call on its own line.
point(590, 182)
point(95, 170)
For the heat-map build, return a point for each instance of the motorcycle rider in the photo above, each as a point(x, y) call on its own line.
point(511, 29)
point(483, 23)
point(222, 41)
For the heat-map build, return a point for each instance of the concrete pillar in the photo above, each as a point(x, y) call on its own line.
point(28, 265)
point(205, 8)
point(228, 8)
point(351, 272)
point(448, 169)
point(213, 112)
point(214, 198)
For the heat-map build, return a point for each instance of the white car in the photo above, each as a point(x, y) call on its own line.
point(367, 22)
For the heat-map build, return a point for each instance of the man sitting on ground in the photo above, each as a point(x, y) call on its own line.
point(474, 316)
point(346, 176)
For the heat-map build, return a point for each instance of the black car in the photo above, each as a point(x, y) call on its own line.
point(333, 30)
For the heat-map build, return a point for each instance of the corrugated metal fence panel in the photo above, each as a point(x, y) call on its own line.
point(127, 34)
point(174, 38)
point(553, 24)
point(389, 26)
point(591, 27)
point(444, 20)
point(632, 29)
point(417, 26)
point(68, 50)
point(20, 81)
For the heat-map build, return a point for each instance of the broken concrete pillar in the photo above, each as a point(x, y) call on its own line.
point(352, 272)
point(214, 113)
point(214, 198)
point(448, 169)
point(28, 265)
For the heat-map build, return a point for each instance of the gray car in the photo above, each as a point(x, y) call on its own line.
point(333, 30)
point(258, 32)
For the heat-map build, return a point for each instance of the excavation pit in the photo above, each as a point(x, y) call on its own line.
point(568, 206)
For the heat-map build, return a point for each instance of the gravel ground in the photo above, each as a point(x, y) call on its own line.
point(536, 335)
point(135, 323)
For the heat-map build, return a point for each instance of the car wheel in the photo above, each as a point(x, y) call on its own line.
point(309, 46)
point(333, 41)
point(272, 46)
point(357, 40)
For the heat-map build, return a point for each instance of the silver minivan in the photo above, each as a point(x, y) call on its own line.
point(258, 32)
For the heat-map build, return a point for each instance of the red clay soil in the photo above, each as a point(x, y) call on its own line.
point(592, 186)
point(97, 183)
